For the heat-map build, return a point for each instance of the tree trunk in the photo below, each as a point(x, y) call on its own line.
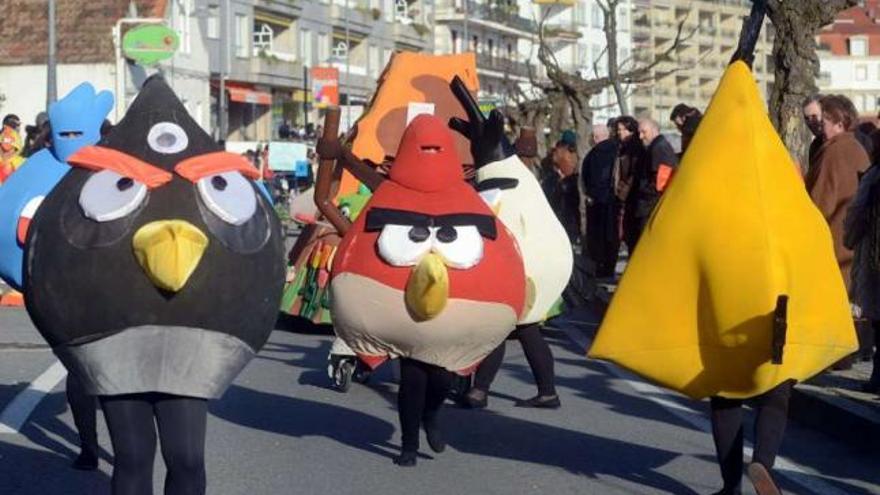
point(797, 65)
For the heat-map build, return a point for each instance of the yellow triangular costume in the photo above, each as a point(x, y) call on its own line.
point(734, 230)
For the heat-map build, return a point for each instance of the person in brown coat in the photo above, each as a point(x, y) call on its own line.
point(833, 180)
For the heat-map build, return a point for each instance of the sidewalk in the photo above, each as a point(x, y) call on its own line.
point(831, 403)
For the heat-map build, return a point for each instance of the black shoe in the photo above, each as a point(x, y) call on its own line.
point(473, 401)
point(406, 459)
point(541, 401)
point(760, 478)
point(86, 462)
point(435, 439)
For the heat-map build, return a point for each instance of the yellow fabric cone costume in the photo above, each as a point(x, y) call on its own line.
point(734, 230)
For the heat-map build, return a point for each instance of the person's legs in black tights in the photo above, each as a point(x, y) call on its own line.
point(540, 360)
point(410, 408)
point(439, 382)
point(182, 422)
point(84, 408)
point(131, 420)
point(727, 432)
point(477, 396)
point(772, 417)
point(133, 434)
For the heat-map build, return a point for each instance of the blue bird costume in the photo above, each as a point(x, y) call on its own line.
point(76, 122)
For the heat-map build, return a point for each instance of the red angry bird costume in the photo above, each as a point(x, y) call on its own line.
point(427, 272)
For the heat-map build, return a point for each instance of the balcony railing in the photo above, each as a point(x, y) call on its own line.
point(503, 65)
point(502, 14)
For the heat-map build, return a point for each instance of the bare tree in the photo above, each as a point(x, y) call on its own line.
point(796, 64)
point(565, 97)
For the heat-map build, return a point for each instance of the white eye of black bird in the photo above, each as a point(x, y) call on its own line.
point(108, 196)
point(229, 196)
point(460, 246)
point(419, 234)
point(124, 184)
point(219, 182)
point(346, 211)
point(167, 138)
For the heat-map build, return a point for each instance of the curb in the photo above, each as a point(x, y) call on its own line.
point(856, 424)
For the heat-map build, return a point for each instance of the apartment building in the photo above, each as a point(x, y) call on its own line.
point(699, 61)
point(849, 57)
point(273, 44)
point(85, 48)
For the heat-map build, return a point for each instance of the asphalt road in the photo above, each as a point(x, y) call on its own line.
point(280, 429)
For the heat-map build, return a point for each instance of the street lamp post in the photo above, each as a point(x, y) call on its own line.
point(51, 84)
point(224, 56)
point(347, 69)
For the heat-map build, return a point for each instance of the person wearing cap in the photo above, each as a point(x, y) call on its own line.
point(10, 146)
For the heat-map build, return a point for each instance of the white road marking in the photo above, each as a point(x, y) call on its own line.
point(17, 412)
point(801, 475)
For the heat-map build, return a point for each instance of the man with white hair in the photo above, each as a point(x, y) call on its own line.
point(602, 206)
point(652, 175)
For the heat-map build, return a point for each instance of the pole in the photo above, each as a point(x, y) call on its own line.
point(224, 55)
point(347, 70)
point(305, 97)
point(51, 84)
point(466, 40)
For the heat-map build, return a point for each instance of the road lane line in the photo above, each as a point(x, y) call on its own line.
point(801, 475)
point(17, 412)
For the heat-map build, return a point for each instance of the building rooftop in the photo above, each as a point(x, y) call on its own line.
point(83, 27)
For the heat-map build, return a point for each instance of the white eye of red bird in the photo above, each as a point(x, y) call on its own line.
point(229, 196)
point(108, 196)
point(167, 138)
point(460, 246)
point(403, 245)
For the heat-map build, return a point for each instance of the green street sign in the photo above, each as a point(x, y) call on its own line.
point(487, 105)
point(150, 44)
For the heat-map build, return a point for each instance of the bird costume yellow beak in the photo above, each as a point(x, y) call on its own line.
point(427, 289)
point(169, 252)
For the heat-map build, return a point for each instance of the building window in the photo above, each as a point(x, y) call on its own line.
point(305, 47)
point(475, 43)
point(181, 23)
point(858, 47)
point(401, 11)
point(454, 35)
point(263, 36)
point(598, 17)
point(375, 61)
point(323, 48)
point(580, 13)
point(491, 47)
point(213, 24)
point(242, 34)
point(861, 72)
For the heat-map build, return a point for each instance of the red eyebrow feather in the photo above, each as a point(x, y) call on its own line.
point(201, 166)
point(99, 158)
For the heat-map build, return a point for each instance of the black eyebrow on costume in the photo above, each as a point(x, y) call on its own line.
point(497, 183)
point(377, 218)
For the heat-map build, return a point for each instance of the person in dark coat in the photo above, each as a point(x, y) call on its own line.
point(564, 193)
point(686, 120)
point(630, 153)
point(813, 118)
point(597, 172)
point(651, 175)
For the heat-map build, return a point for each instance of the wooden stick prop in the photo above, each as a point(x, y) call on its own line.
point(331, 152)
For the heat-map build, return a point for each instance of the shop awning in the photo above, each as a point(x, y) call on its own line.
point(244, 94)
